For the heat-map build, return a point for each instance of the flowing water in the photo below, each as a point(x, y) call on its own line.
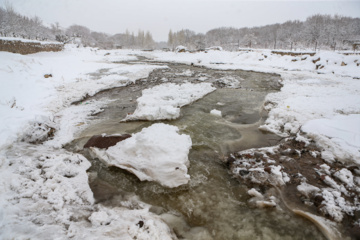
point(212, 205)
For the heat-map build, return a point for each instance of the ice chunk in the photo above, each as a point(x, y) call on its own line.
point(215, 112)
point(157, 153)
point(164, 101)
point(265, 204)
point(341, 134)
point(254, 193)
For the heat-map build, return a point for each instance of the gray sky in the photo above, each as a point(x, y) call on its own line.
point(159, 16)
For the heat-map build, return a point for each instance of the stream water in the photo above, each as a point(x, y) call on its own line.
point(212, 205)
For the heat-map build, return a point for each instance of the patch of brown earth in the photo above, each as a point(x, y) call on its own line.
point(106, 141)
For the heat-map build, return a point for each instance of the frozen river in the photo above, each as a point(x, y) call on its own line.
point(213, 205)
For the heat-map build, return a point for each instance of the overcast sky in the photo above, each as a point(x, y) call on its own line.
point(159, 16)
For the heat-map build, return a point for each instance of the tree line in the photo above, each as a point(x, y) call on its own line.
point(318, 31)
point(13, 24)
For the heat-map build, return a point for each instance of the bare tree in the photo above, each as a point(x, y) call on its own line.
point(171, 40)
point(81, 32)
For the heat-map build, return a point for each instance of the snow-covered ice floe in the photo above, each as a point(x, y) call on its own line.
point(164, 101)
point(341, 133)
point(157, 153)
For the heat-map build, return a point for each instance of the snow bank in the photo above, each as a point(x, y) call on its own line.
point(29, 40)
point(26, 95)
point(164, 101)
point(39, 187)
point(121, 223)
point(340, 132)
point(157, 153)
point(45, 194)
point(263, 60)
point(305, 98)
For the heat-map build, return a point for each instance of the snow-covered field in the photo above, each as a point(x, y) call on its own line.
point(44, 189)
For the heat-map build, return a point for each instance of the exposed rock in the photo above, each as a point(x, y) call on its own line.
point(267, 169)
point(319, 66)
point(106, 141)
point(17, 46)
point(291, 53)
point(316, 60)
point(244, 172)
point(318, 199)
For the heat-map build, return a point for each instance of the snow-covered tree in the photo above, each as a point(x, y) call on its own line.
point(171, 40)
point(82, 32)
point(149, 42)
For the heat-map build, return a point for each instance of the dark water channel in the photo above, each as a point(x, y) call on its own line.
point(212, 205)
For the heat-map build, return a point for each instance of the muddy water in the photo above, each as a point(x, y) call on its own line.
point(212, 205)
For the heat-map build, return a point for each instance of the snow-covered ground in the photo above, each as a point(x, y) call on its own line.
point(27, 40)
point(44, 189)
point(45, 192)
